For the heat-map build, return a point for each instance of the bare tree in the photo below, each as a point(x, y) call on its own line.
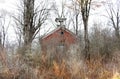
point(76, 12)
point(19, 32)
point(4, 25)
point(113, 12)
point(85, 6)
point(0, 39)
point(32, 19)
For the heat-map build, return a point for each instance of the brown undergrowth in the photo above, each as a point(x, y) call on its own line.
point(73, 67)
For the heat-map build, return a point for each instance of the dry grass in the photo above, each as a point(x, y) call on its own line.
point(40, 66)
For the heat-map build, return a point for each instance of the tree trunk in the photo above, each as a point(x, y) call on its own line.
point(28, 22)
point(87, 54)
point(76, 18)
point(0, 39)
point(117, 37)
point(117, 33)
point(32, 20)
point(85, 10)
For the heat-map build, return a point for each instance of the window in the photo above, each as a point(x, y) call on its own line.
point(62, 32)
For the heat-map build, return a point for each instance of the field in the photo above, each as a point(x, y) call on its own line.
point(39, 66)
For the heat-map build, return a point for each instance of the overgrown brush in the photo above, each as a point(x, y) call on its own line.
point(41, 66)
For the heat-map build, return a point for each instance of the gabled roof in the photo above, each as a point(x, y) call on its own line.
point(74, 35)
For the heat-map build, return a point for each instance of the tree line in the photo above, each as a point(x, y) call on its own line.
point(32, 14)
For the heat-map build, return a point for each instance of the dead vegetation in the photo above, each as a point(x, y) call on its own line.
point(74, 67)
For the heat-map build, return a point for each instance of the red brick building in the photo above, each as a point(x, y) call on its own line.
point(60, 39)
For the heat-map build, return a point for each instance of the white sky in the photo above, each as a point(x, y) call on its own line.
point(9, 6)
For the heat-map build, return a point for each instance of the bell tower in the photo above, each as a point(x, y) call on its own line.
point(60, 21)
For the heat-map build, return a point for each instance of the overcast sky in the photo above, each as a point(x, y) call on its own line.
point(7, 4)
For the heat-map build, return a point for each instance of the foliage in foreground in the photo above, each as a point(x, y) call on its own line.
point(74, 66)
